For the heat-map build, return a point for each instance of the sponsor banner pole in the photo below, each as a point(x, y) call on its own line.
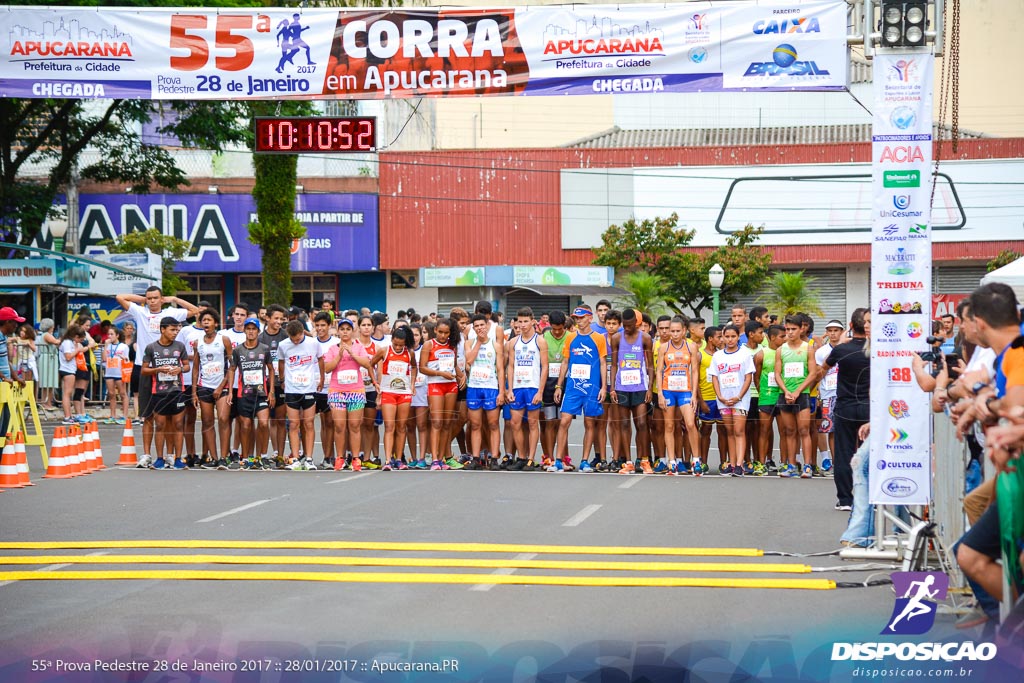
point(901, 275)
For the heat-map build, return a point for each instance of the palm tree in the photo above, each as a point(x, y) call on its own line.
point(789, 293)
point(646, 293)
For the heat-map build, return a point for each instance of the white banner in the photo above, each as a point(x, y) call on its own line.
point(901, 277)
point(367, 53)
point(111, 282)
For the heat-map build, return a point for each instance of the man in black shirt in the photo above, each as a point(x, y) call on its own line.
point(272, 335)
point(853, 390)
point(163, 363)
point(252, 391)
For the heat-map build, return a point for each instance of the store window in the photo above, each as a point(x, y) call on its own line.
point(308, 291)
point(205, 288)
point(250, 291)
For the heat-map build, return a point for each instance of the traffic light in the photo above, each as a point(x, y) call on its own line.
point(903, 23)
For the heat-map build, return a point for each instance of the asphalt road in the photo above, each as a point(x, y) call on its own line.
point(150, 617)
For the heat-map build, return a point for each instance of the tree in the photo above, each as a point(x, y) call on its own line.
point(646, 293)
point(1005, 258)
point(171, 249)
point(789, 293)
point(660, 248)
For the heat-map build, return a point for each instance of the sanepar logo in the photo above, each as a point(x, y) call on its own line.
point(901, 179)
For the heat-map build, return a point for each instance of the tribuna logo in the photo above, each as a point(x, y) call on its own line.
point(60, 48)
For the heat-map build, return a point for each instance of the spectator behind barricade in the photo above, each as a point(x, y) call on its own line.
point(24, 356)
point(46, 359)
point(9, 320)
point(948, 333)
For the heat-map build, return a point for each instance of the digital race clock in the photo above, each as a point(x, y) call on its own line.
point(315, 134)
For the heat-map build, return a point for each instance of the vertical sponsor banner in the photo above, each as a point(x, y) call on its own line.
point(901, 273)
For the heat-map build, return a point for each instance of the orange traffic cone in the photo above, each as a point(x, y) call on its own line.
point(22, 460)
point(93, 457)
point(60, 466)
point(9, 467)
point(75, 450)
point(128, 455)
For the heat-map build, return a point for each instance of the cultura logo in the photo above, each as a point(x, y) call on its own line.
point(785, 62)
point(791, 25)
point(897, 435)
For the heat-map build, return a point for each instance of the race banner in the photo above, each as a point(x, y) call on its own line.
point(321, 53)
point(901, 278)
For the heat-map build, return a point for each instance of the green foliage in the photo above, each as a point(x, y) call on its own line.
point(1005, 258)
point(171, 249)
point(658, 247)
point(646, 293)
point(788, 293)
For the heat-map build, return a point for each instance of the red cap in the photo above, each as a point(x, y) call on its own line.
point(8, 313)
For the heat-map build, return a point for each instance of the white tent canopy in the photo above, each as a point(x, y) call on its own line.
point(1011, 274)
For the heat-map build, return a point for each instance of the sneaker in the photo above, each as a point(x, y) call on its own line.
point(599, 465)
point(585, 466)
point(327, 463)
point(454, 464)
point(552, 468)
point(682, 468)
point(402, 465)
point(748, 468)
point(826, 464)
point(546, 462)
point(661, 467)
point(269, 464)
point(444, 465)
point(532, 466)
point(297, 466)
point(567, 464)
point(208, 463)
point(234, 462)
point(138, 422)
point(435, 465)
point(794, 471)
point(627, 468)
point(698, 468)
point(422, 465)
point(357, 465)
point(807, 472)
point(339, 464)
point(770, 467)
point(144, 462)
point(645, 466)
point(159, 464)
point(738, 471)
point(839, 507)
point(759, 469)
point(222, 464)
point(373, 464)
point(69, 421)
point(280, 463)
point(725, 470)
point(179, 464)
point(192, 462)
point(386, 467)
point(787, 471)
point(517, 466)
point(816, 471)
point(704, 468)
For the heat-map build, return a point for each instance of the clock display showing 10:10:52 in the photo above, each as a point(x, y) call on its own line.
point(315, 134)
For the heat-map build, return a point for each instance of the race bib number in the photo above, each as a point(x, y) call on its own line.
point(213, 369)
point(154, 325)
point(579, 371)
point(164, 377)
point(730, 380)
point(114, 363)
point(524, 375)
point(793, 370)
point(830, 382)
point(678, 383)
point(398, 367)
point(302, 377)
point(366, 376)
point(446, 365)
point(629, 377)
point(348, 377)
point(554, 369)
point(772, 382)
point(252, 378)
point(421, 380)
point(483, 373)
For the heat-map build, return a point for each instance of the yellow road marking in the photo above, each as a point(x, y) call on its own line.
point(385, 577)
point(465, 563)
point(375, 545)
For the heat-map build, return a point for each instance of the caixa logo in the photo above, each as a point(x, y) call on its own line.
point(785, 62)
point(790, 25)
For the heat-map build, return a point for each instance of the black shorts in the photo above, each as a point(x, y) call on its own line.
point(371, 399)
point(803, 402)
point(753, 408)
point(300, 401)
point(984, 535)
point(250, 406)
point(459, 398)
point(321, 404)
point(278, 397)
point(630, 399)
point(167, 405)
point(145, 394)
point(205, 394)
point(79, 374)
point(136, 378)
point(548, 398)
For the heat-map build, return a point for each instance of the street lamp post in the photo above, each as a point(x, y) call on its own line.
point(716, 276)
point(58, 229)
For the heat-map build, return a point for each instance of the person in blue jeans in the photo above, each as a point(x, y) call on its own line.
point(860, 530)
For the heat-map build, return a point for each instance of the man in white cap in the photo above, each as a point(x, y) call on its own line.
point(834, 330)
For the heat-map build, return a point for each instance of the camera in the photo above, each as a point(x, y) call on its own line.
point(934, 355)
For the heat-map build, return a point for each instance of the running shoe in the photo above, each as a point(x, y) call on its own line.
point(208, 463)
point(516, 465)
point(298, 466)
point(698, 468)
point(826, 464)
point(546, 462)
point(759, 470)
point(645, 466)
point(268, 464)
point(770, 466)
point(373, 464)
point(627, 468)
point(704, 468)
point(843, 508)
point(553, 467)
point(327, 464)
point(788, 471)
point(585, 466)
point(222, 464)
point(357, 465)
point(682, 467)
point(531, 466)
point(661, 468)
point(234, 462)
point(159, 464)
point(444, 465)
point(138, 421)
point(279, 462)
point(402, 465)
point(725, 470)
point(192, 462)
point(435, 465)
point(179, 464)
point(567, 464)
point(737, 471)
point(748, 468)
point(454, 464)
point(794, 470)
point(386, 467)
point(144, 462)
point(422, 465)
point(599, 465)
point(817, 471)
point(69, 421)
point(807, 472)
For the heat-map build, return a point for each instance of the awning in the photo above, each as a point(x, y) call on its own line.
point(573, 290)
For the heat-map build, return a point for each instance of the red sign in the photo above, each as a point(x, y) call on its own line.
point(945, 304)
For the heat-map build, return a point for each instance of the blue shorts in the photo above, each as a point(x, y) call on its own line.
point(713, 414)
point(677, 398)
point(524, 399)
point(814, 404)
point(575, 403)
point(481, 398)
point(506, 412)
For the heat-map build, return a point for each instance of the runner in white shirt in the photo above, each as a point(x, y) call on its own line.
point(236, 335)
point(300, 361)
point(827, 393)
point(189, 335)
point(147, 330)
point(209, 389)
point(732, 373)
point(115, 360)
point(486, 369)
